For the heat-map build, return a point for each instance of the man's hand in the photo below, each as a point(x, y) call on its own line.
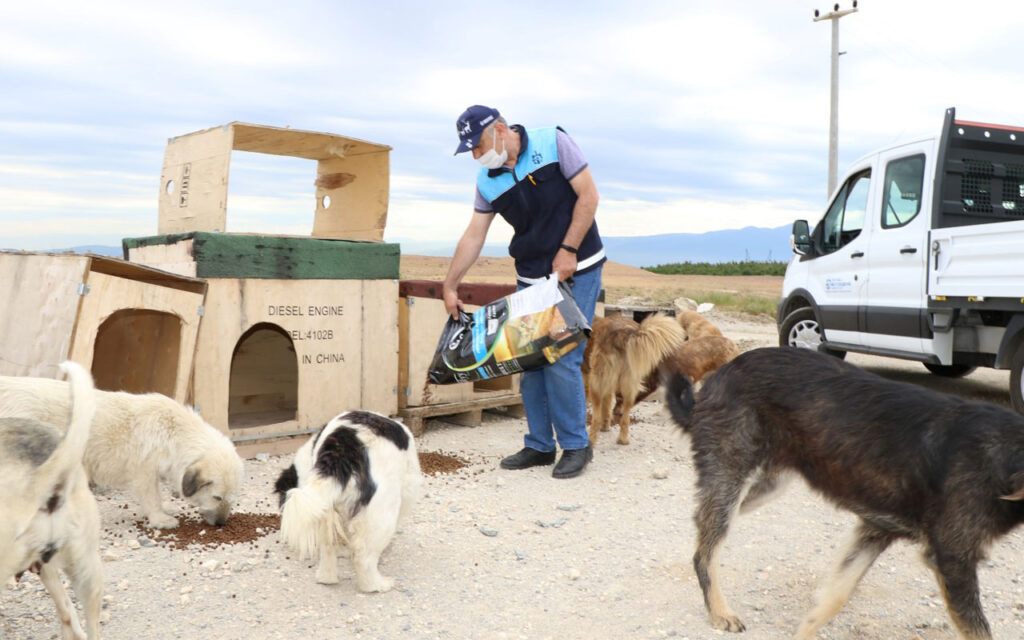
point(452, 304)
point(564, 264)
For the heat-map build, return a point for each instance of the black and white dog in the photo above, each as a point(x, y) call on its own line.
point(349, 486)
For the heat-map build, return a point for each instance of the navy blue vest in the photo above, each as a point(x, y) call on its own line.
point(537, 200)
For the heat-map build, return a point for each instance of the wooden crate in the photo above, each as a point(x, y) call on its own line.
point(421, 319)
point(351, 185)
point(296, 330)
point(133, 326)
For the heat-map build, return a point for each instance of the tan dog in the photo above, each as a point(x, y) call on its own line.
point(619, 354)
point(698, 357)
point(705, 350)
point(696, 325)
point(137, 440)
point(48, 516)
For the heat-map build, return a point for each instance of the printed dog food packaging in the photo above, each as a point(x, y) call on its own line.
point(528, 329)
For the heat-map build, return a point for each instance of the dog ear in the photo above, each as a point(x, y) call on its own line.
point(191, 482)
point(1017, 487)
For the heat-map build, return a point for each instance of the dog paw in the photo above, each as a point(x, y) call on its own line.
point(728, 622)
point(622, 441)
point(378, 585)
point(162, 521)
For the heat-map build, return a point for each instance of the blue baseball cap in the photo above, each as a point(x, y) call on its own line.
point(471, 124)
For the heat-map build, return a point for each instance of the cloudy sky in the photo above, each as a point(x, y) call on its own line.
point(694, 115)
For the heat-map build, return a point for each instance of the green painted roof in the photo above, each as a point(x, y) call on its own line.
point(231, 255)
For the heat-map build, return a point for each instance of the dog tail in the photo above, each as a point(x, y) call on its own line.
point(679, 397)
point(308, 517)
point(52, 475)
point(657, 337)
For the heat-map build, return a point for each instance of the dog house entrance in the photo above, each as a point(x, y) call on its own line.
point(264, 386)
point(137, 351)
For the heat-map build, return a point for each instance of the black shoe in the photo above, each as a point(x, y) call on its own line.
point(527, 458)
point(573, 462)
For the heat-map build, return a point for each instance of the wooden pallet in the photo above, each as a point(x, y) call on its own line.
point(467, 412)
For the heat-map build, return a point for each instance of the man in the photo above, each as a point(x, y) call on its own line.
point(538, 180)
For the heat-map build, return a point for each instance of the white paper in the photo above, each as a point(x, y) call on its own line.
point(534, 298)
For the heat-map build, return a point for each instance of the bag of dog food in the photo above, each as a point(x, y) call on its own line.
point(528, 329)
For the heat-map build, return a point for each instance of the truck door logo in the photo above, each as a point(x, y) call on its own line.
point(838, 285)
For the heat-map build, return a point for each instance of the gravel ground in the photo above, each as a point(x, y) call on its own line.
point(490, 553)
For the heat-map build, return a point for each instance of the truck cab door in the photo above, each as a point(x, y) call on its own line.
point(835, 271)
point(897, 251)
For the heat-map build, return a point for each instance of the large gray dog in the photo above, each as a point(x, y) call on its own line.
point(911, 463)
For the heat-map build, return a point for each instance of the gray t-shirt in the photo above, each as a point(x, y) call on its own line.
point(570, 161)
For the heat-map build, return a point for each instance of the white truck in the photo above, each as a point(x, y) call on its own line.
point(920, 256)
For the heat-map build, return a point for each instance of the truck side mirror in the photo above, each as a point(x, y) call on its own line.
point(800, 241)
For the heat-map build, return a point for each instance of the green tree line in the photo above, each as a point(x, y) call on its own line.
point(735, 268)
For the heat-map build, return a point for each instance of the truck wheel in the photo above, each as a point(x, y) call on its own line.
point(800, 329)
point(949, 370)
point(1017, 380)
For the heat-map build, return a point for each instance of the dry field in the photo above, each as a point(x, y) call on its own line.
point(623, 284)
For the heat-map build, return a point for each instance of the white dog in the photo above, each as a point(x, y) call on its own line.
point(349, 486)
point(48, 516)
point(137, 440)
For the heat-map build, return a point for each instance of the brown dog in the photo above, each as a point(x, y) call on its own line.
point(619, 354)
point(696, 325)
point(698, 357)
point(709, 351)
point(911, 463)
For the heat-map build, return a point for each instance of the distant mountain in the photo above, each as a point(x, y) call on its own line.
point(99, 249)
point(749, 243)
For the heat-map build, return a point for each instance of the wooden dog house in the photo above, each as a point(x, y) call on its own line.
point(351, 186)
point(133, 326)
point(295, 330)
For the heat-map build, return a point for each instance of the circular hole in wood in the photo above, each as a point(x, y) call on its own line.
point(325, 202)
point(169, 187)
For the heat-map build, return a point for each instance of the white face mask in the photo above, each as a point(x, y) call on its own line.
point(492, 159)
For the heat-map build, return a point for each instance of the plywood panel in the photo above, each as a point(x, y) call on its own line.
point(324, 320)
point(175, 257)
point(352, 174)
point(194, 182)
point(38, 307)
point(298, 143)
point(109, 294)
point(380, 346)
point(356, 192)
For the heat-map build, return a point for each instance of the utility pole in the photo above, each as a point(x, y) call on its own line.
point(833, 124)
